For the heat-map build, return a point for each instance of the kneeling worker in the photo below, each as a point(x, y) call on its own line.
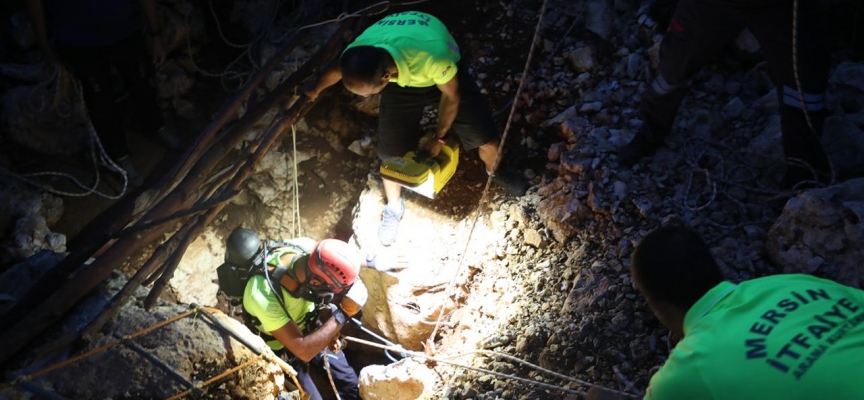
point(302, 276)
point(414, 62)
point(778, 337)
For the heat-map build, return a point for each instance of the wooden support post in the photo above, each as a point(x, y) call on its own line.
point(179, 194)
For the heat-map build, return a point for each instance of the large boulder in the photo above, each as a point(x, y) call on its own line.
point(405, 304)
point(194, 280)
point(404, 380)
point(821, 232)
point(562, 212)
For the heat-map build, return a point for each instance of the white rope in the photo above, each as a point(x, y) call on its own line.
point(243, 76)
point(452, 284)
point(225, 72)
point(446, 360)
point(360, 13)
point(94, 144)
point(228, 73)
point(222, 34)
point(795, 65)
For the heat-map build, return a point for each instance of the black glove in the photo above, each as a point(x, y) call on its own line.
point(338, 314)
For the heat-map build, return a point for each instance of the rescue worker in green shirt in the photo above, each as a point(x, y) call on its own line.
point(778, 337)
point(414, 62)
point(282, 302)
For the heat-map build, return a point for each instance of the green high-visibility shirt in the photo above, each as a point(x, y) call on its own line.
point(260, 301)
point(424, 51)
point(777, 337)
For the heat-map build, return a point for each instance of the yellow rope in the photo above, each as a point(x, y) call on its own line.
point(285, 368)
point(214, 379)
point(801, 92)
point(105, 347)
point(330, 376)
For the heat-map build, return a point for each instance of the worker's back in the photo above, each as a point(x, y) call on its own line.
point(777, 337)
point(421, 46)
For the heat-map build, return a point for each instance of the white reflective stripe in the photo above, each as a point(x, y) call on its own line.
point(661, 86)
point(808, 97)
point(795, 102)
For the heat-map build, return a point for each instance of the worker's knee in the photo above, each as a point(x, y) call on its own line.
point(489, 147)
point(385, 155)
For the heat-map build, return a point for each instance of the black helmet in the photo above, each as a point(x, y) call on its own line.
point(241, 247)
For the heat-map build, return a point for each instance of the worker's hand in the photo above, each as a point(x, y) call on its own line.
point(354, 299)
point(336, 345)
point(387, 262)
point(157, 50)
point(433, 147)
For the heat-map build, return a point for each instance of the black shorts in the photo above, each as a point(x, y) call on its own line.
point(402, 108)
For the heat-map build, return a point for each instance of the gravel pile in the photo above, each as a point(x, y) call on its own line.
point(560, 295)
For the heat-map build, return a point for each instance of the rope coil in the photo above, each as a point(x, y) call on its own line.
point(93, 142)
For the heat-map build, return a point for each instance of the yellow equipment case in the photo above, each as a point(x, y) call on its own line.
point(420, 173)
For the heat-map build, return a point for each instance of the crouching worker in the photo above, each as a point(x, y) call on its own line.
point(776, 337)
point(298, 295)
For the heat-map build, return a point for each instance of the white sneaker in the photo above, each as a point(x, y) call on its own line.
point(388, 230)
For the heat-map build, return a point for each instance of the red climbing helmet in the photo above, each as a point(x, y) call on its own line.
point(335, 262)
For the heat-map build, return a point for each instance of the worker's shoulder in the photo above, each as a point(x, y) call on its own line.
point(790, 282)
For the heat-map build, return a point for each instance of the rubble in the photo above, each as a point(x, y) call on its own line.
point(404, 380)
point(26, 217)
point(548, 282)
point(191, 346)
point(821, 232)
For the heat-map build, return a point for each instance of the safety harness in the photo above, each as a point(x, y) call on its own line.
point(279, 276)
